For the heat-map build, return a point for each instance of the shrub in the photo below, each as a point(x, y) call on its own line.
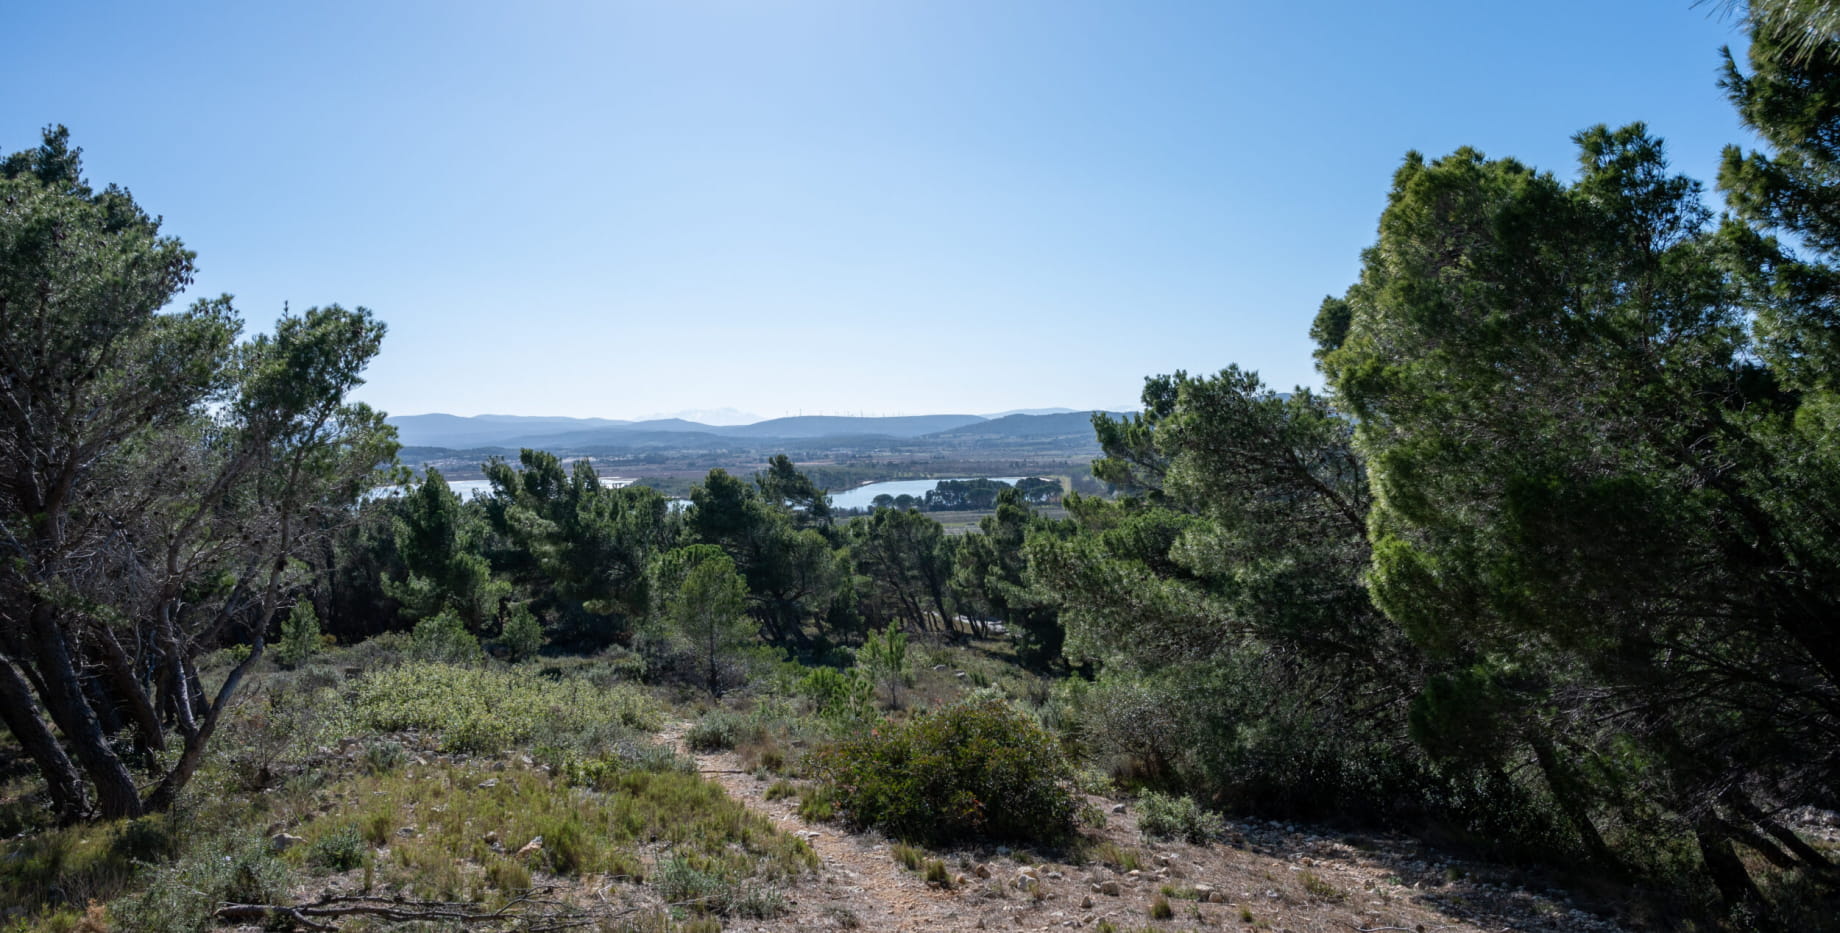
point(720, 730)
point(342, 849)
point(835, 694)
point(884, 655)
point(817, 804)
point(974, 769)
point(299, 636)
point(1165, 817)
point(181, 896)
point(684, 883)
point(522, 635)
point(1160, 909)
point(444, 637)
point(384, 757)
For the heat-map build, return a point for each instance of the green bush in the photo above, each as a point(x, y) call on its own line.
point(444, 638)
point(384, 757)
point(1164, 817)
point(299, 636)
point(884, 656)
point(837, 695)
point(720, 730)
point(974, 769)
point(701, 889)
point(342, 849)
point(522, 636)
point(181, 896)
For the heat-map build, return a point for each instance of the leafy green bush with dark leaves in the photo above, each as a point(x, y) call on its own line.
point(979, 768)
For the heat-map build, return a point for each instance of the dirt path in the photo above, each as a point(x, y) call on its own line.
point(1269, 877)
point(860, 886)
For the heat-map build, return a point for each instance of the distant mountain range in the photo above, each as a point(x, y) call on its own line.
point(557, 434)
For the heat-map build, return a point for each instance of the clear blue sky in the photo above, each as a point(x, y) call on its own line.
point(611, 209)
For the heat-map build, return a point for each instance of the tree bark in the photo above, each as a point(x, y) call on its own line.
point(116, 796)
point(17, 708)
point(1727, 870)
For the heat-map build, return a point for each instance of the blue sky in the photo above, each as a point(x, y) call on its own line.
point(614, 209)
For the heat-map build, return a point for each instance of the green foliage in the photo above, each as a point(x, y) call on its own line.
point(793, 574)
point(575, 550)
point(523, 634)
point(1160, 816)
point(1607, 504)
point(342, 848)
point(443, 638)
point(180, 897)
point(384, 757)
point(908, 856)
point(686, 883)
point(971, 770)
point(936, 873)
point(721, 730)
point(299, 636)
point(818, 804)
point(884, 656)
point(837, 695)
point(439, 539)
point(991, 574)
point(703, 610)
point(904, 565)
point(489, 710)
point(73, 866)
point(148, 443)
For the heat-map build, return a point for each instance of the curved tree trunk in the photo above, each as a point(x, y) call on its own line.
point(116, 796)
point(20, 712)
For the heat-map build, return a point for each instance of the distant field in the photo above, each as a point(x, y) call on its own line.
point(960, 523)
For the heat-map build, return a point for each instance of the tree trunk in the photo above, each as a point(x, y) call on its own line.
point(20, 712)
point(116, 796)
point(1565, 793)
point(167, 793)
point(129, 693)
point(1727, 871)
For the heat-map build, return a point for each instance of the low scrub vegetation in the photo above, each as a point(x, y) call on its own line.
point(487, 710)
point(976, 769)
point(1161, 816)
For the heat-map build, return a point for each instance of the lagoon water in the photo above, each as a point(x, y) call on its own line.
point(863, 497)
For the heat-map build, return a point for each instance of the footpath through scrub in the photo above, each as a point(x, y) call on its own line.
point(1266, 877)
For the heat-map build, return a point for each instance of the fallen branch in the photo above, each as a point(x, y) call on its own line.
point(525, 911)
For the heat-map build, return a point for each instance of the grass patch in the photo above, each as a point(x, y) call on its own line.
point(454, 831)
point(488, 710)
point(909, 856)
point(936, 874)
point(817, 804)
point(1317, 887)
point(1123, 858)
point(1160, 909)
point(73, 866)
